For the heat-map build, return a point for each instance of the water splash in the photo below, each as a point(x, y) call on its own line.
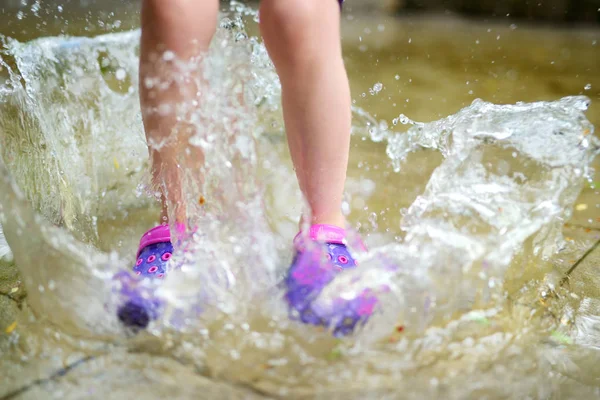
point(511, 174)
point(80, 157)
point(78, 84)
point(73, 102)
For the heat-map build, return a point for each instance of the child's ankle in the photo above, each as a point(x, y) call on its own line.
point(335, 220)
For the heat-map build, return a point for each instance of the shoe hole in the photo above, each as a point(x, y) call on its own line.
point(151, 258)
point(166, 256)
point(153, 269)
point(343, 259)
point(139, 262)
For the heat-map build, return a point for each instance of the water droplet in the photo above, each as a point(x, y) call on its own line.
point(588, 86)
point(376, 88)
point(403, 119)
point(164, 109)
point(373, 220)
point(20, 15)
point(168, 55)
point(148, 83)
point(35, 8)
point(51, 285)
point(345, 208)
point(120, 74)
point(397, 77)
point(59, 8)
point(381, 27)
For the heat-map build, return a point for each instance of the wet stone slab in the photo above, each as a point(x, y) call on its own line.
point(585, 278)
point(132, 376)
point(12, 293)
point(66, 374)
point(586, 211)
point(578, 242)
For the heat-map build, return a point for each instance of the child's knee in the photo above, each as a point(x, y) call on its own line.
point(181, 10)
point(167, 7)
point(289, 18)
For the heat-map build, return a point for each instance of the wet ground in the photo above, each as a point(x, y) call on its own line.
point(426, 69)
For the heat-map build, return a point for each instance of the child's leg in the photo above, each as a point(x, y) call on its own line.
point(184, 28)
point(303, 40)
point(180, 29)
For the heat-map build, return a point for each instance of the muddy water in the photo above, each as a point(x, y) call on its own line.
point(532, 334)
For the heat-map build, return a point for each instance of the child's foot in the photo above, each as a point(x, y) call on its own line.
point(312, 269)
point(154, 252)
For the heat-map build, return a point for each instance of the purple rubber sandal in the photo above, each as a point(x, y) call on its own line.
point(154, 253)
point(312, 269)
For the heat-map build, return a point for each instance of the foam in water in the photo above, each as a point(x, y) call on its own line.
point(73, 154)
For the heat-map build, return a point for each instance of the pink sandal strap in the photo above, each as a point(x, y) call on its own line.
point(326, 233)
point(158, 234)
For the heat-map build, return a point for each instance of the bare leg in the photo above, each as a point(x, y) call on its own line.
point(303, 40)
point(183, 29)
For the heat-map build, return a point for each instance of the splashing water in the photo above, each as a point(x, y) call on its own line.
point(74, 160)
point(511, 173)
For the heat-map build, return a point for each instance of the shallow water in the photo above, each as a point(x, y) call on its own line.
point(465, 218)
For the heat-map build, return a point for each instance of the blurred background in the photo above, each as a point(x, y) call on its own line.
point(428, 57)
point(541, 10)
point(423, 59)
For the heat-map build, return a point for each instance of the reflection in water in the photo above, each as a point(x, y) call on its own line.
point(74, 199)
